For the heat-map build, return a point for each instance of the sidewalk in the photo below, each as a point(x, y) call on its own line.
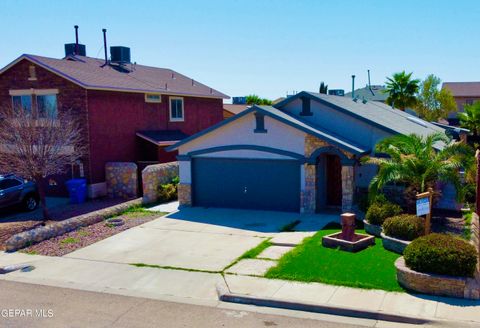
point(430, 308)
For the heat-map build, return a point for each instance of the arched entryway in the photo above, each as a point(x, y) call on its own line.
point(328, 182)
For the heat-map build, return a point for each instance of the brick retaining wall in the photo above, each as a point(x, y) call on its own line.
point(155, 175)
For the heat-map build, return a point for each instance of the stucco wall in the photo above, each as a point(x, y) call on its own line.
point(241, 132)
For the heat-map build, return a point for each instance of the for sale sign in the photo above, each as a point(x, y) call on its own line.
point(423, 206)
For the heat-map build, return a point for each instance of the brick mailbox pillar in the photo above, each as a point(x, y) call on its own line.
point(348, 226)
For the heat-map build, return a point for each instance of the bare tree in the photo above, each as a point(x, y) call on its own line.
point(36, 145)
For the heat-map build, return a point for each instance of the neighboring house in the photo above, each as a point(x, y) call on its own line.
point(233, 109)
point(370, 93)
point(464, 93)
point(128, 112)
point(302, 155)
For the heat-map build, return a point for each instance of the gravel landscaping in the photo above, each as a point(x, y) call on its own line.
point(71, 241)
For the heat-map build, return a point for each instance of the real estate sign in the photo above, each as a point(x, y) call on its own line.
point(423, 206)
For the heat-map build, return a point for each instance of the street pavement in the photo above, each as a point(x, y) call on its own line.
point(25, 305)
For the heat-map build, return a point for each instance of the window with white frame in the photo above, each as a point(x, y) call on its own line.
point(43, 101)
point(176, 109)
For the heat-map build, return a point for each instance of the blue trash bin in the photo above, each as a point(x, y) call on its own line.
point(77, 189)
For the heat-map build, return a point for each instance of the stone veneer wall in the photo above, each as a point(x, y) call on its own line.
point(155, 175)
point(434, 284)
point(308, 195)
point(122, 179)
point(185, 194)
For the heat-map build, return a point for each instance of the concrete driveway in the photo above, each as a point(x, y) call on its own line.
point(194, 238)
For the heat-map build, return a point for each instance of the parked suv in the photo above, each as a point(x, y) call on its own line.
point(17, 191)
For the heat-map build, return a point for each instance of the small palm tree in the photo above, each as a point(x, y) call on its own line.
point(256, 100)
point(470, 118)
point(415, 162)
point(401, 90)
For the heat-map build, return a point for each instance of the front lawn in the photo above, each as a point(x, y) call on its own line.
point(372, 268)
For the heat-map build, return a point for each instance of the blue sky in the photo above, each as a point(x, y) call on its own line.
point(260, 46)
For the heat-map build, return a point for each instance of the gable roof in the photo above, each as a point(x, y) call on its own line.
point(374, 113)
point(374, 93)
point(285, 118)
point(463, 89)
point(88, 73)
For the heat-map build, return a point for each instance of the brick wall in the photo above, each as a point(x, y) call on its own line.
point(70, 96)
point(115, 139)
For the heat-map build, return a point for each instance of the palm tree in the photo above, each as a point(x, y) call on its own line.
point(470, 118)
point(415, 162)
point(401, 90)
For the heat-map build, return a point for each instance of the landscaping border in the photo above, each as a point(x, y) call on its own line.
point(39, 234)
point(434, 284)
point(372, 229)
point(394, 244)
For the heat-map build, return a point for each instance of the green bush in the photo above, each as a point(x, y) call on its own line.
point(441, 254)
point(405, 227)
point(379, 211)
point(167, 192)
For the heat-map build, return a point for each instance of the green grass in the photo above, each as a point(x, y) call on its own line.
point(372, 268)
point(290, 226)
point(136, 211)
point(251, 253)
point(70, 240)
point(467, 230)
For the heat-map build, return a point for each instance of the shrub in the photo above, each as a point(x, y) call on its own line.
point(379, 211)
point(441, 254)
point(405, 226)
point(167, 192)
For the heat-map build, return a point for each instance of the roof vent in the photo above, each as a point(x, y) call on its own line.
point(364, 101)
point(355, 99)
point(120, 55)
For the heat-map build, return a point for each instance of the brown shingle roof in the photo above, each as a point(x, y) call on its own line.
point(235, 109)
point(463, 89)
point(89, 73)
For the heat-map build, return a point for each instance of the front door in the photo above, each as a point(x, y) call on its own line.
point(334, 180)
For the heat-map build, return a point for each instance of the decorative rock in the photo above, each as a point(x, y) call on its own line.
point(36, 235)
point(372, 229)
point(394, 244)
point(155, 175)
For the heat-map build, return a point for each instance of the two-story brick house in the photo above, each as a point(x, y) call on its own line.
point(128, 112)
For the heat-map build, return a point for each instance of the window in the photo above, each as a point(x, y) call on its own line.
point(176, 109)
point(9, 183)
point(23, 102)
point(47, 106)
point(153, 98)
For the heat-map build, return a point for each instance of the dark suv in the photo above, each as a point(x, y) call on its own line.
point(17, 191)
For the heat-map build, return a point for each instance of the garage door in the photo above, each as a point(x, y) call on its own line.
point(245, 183)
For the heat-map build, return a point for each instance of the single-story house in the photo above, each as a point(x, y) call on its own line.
point(301, 155)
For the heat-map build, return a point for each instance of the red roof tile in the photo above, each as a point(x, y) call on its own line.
point(89, 73)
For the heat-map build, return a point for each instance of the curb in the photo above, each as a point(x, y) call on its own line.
point(225, 295)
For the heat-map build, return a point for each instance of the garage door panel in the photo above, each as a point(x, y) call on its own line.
point(242, 183)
